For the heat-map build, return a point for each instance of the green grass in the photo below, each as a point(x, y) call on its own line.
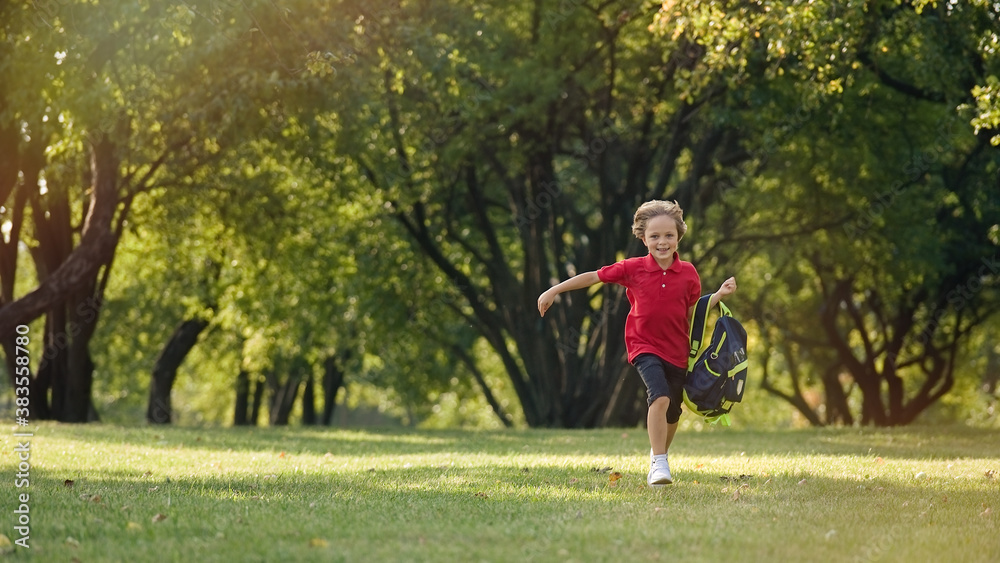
point(297, 494)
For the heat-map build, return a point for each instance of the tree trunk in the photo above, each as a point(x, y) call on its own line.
point(837, 409)
point(991, 375)
point(627, 405)
point(69, 292)
point(333, 380)
point(481, 381)
point(80, 266)
point(309, 403)
point(241, 414)
point(283, 397)
point(183, 339)
point(258, 400)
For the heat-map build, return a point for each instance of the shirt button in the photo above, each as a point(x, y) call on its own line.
point(664, 285)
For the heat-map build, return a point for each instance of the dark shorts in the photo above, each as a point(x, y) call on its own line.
point(662, 379)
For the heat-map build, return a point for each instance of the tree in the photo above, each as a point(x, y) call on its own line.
point(130, 111)
point(878, 301)
point(513, 144)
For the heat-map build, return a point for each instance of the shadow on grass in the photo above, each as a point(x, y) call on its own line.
point(911, 442)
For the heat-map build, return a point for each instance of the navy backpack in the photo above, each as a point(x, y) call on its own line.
point(717, 373)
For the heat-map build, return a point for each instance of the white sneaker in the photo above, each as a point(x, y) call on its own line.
point(659, 473)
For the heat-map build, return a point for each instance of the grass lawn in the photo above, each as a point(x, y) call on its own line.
point(107, 493)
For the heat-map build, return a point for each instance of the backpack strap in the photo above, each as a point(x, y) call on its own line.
point(698, 328)
point(725, 310)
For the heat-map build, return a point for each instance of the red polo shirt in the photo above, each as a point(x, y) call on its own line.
point(658, 320)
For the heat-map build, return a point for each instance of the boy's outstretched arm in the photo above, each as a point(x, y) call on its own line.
point(728, 287)
point(578, 281)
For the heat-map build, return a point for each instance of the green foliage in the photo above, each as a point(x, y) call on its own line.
point(391, 184)
point(863, 178)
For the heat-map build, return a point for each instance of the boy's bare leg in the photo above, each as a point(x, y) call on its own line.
point(660, 433)
point(671, 430)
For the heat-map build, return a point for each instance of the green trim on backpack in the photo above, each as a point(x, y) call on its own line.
point(698, 328)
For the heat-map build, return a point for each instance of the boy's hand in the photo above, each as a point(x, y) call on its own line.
point(728, 287)
point(545, 301)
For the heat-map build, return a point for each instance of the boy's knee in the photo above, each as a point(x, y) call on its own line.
point(660, 403)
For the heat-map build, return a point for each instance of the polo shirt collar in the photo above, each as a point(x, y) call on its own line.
point(651, 265)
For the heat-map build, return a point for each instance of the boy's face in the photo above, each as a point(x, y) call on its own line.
point(661, 237)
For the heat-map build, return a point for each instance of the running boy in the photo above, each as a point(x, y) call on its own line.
point(662, 290)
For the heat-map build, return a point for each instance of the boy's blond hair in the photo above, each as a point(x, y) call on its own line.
point(654, 208)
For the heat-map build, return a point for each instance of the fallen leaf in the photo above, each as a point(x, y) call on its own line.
point(318, 542)
point(573, 480)
point(802, 482)
point(699, 466)
point(5, 545)
point(72, 542)
point(282, 454)
point(132, 526)
point(95, 498)
point(879, 460)
point(986, 512)
point(736, 493)
point(991, 474)
point(482, 495)
point(68, 483)
point(159, 518)
point(831, 533)
point(151, 489)
point(614, 476)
